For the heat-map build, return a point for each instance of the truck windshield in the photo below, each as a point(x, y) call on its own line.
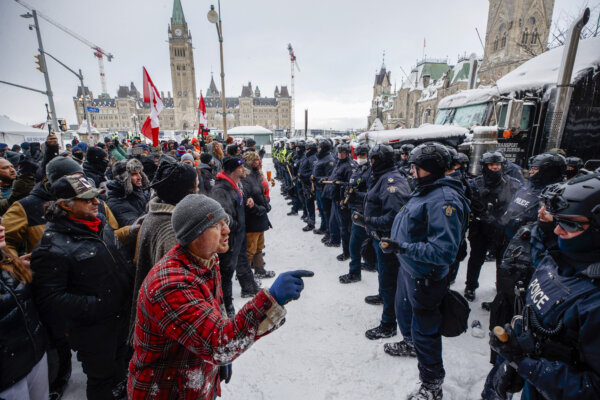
point(444, 116)
point(469, 116)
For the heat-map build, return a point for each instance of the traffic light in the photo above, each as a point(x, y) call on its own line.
point(39, 63)
point(62, 123)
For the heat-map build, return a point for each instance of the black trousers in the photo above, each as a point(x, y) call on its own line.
point(480, 244)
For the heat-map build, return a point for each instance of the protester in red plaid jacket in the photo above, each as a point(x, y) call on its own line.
point(184, 344)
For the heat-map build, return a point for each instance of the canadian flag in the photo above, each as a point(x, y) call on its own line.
point(151, 127)
point(202, 108)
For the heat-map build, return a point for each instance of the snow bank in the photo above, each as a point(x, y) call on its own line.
point(543, 69)
point(424, 132)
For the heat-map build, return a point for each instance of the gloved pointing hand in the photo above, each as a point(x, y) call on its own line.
point(288, 286)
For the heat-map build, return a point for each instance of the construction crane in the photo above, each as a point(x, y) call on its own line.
point(294, 65)
point(98, 52)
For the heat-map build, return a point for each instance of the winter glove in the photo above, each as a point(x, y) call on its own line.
point(389, 246)
point(225, 372)
point(358, 219)
point(288, 286)
point(504, 382)
point(134, 229)
point(515, 344)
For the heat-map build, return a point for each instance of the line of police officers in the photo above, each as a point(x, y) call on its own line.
point(406, 214)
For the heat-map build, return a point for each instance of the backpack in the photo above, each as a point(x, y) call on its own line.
point(455, 314)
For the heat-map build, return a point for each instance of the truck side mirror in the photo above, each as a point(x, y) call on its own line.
point(513, 117)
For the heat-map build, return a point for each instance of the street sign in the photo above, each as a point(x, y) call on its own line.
point(93, 109)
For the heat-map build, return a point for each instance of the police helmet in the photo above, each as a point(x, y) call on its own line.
point(492, 157)
point(574, 162)
point(325, 145)
point(381, 156)
point(433, 157)
point(311, 146)
point(406, 148)
point(362, 149)
point(463, 159)
point(551, 166)
point(344, 148)
point(578, 197)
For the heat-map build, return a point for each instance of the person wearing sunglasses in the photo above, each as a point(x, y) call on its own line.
point(554, 344)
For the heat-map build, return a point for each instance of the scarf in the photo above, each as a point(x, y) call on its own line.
point(225, 177)
point(91, 225)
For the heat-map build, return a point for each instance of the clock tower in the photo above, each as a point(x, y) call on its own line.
point(182, 70)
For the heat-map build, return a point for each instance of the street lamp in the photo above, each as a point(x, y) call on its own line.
point(134, 117)
point(215, 18)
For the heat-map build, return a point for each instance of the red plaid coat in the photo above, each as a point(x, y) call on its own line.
point(181, 334)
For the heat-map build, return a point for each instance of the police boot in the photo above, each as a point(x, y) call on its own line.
point(343, 257)
point(374, 300)
point(319, 231)
point(292, 213)
point(469, 294)
point(119, 392)
point(330, 244)
point(381, 332)
point(349, 278)
point(325, 238)
point(308, 227)
point(259, 267)
point(400, 349)
point(230, 309)
point(367, 267)
point(249, 286)
point(428, 391)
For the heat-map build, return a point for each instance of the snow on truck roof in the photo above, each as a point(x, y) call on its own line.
point(536, 73)
point(424, 132)
point(543, 69)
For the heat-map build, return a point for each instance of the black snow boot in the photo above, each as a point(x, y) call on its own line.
point(428, 391)
point(325, 238)
point(381, 332)
point(230, 311)
point(400, 349)
point(259, 267)
point(349, 278)
point(292, 213)
point(308, 228)
point(367, 267)
point(119, 392)
point(469, 294)
point(343, 257)
point(249, 286)
point(374, 300)
point(329, 244)
point(319, 231)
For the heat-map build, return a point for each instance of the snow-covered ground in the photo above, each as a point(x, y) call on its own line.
point(321, 351)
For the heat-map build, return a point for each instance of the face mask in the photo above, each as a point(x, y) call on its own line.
point(492, 177)
point(579, 244)
point(78, 155)
point(361, 161)
point(571, 173)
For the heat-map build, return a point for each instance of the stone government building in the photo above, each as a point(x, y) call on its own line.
point(517, 30)
point(127, 111)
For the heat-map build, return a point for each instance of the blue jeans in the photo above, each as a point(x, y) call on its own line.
point(387, 273)
point(357, 237)
point(419, 317)
point(323, 211)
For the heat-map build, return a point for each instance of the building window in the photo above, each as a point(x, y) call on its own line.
point(179, 94)
point(532, 20)
point(496, 44)
point(503, 44)
point(525, 37)
point(501, 28)
point(534, 36)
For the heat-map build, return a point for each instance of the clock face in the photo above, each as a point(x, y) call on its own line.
point(177, 32)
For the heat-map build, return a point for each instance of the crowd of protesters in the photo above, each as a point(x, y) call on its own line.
point(125, 254)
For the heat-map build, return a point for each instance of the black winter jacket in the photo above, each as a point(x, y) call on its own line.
point(233, 204)
point(205, 176)
point(82, 281)
point(94, 172)
point(341, 172)
point(126, 208)
point(322, 168)
point(358, 183)
point(256, 217)
point(23, 339)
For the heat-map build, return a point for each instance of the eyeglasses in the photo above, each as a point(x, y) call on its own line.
point(570, 225)
point(89, 201)
point(220, 225)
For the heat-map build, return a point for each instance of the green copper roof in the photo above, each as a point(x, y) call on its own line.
point(434, 70)
point(177, 18)
point(462, 74)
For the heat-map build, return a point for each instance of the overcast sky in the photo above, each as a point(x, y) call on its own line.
point(338, 44)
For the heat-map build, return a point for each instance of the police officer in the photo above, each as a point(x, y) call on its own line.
point(321, 171)
point(354, 199)
point(298, 158)
point(304, 173)
point(339, 222)
point(403, 164)
point(387, 192)
point(426, 233)
point(554, 345)
point(574, 164)
point(491, 193)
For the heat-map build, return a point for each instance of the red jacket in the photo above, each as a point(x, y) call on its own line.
point(181, 334)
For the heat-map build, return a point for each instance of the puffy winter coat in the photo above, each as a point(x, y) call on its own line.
point(81, 280)
point(126, 207)
point(23, 339)
point(232, 202)
point(430, 228)
point(387, 192)
point(25, 221)
point(182, 334)
point(257, 219)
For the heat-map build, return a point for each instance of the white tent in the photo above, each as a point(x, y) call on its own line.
point(261, 135)
point(12, 132)
point(83, 128)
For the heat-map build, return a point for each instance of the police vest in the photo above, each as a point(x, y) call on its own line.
point(522, 209)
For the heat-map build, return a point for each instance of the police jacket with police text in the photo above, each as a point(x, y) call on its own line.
point(387, 193)
point(430, 228)
point(522, 208)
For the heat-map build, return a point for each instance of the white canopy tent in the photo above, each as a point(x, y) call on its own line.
point(12, 132)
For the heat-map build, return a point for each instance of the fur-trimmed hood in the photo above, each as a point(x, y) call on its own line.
point(122, 170)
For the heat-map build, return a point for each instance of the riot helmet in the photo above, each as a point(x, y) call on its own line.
point(550, 168)
point(382, 157)
point(406, 148)
point(433, 157)
point(362, 149)
point(574, 164)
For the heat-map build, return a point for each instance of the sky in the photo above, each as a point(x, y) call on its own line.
point(339, 46)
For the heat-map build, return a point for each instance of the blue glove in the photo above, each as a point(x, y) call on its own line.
point(225, 372)
point(288, 286)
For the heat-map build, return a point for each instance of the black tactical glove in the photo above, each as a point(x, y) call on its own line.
point(389, 246)
point(505, 381)
point(515, 345)
point(358, 219)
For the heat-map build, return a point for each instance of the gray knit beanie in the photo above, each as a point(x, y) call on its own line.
point(61, 166)
point(187, 156)
point(193, 215)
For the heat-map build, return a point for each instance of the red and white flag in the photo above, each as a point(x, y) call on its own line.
point(202, 108)
point(151, 126)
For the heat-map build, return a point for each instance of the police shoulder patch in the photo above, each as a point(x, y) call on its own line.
point(392, 189)
point(448, 210)
point(330, 162)
point(391, 180)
